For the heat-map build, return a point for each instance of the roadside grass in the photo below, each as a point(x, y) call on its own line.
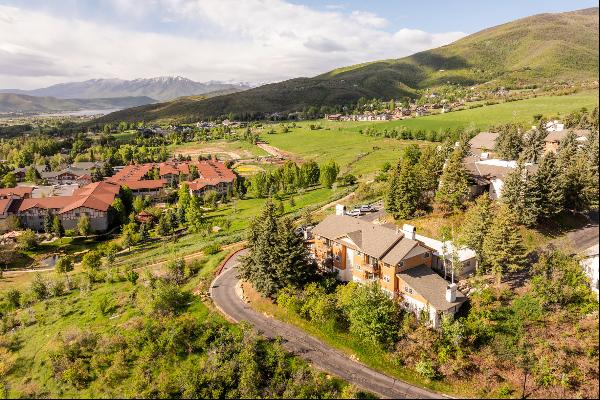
point(369, 355)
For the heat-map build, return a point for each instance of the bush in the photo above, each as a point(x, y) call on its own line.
point(168, 299)
point(426, 369)
point(212, 249)
point(27, 240)
point(56, 287)
point(39, 287)
point(13, 297)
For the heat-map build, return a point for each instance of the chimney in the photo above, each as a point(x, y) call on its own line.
point(409, 231)
point(340, 209)
point(451, 293)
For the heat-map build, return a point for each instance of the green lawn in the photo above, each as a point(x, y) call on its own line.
point(361, 154)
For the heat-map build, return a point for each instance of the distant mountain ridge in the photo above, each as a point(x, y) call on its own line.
point(21, 103)
point(536, 50)
point(160, 88)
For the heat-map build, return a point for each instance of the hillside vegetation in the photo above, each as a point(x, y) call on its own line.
point(540, 49)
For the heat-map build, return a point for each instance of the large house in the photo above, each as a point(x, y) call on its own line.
point(361, 251)
point(212, 175)
point(554, 138)
point(93, 200)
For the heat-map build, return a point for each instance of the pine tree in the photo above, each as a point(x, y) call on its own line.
point(522, 195)
point(293, 266)
point(193, 215)
point(48, 220)
point(258, 266)
point(547, 181)
point(533, 143)
point(390, 195)
point(509, 143)
point(408, 190)
point(454, 186)
point(476, 222)
point(503, 248)
point(57, 227)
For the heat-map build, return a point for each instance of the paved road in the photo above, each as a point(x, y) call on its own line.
point(299, 342)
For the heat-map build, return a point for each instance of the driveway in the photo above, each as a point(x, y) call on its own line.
point(297, 341)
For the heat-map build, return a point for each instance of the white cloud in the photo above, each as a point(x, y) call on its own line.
point(251, 40)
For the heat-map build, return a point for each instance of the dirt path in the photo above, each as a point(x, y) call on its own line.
point(275, 152)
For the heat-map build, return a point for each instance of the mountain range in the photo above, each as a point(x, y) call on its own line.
point(536, 50)
point(161, 88)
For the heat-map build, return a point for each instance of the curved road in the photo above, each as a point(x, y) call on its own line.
point(295, 340)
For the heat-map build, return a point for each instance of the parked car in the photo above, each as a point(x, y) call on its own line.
point(367, 208)
point(355, 212)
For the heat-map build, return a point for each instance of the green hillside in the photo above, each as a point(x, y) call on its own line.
point(540, 49)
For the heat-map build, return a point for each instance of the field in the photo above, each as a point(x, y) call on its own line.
point(221, 148)
point(361, 154)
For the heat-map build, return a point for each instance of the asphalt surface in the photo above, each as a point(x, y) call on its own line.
point(297, 341)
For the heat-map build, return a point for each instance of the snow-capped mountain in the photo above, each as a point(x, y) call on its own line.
point(160, 88)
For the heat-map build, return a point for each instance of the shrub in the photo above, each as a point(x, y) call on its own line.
point(27, 240)
point(212, 249)
point(426, 369)
point(39, 287)
point(56, 287)
point(168, 299)
point(13, 297)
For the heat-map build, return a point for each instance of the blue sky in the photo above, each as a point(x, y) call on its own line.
point(43, 42)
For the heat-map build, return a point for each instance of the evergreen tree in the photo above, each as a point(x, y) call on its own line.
point(509, 143)
point(503, 248)
point(143, 232)
point(391, 206)
point(164, 227)
point(408, 190)
point(521, 193)
point(258, 266)
point(193, 215)
point(547, 182)
point(533, 143)
point(57, 227)
point(84, 226)
point(476, 222)
point(590, 158)
point(293, 265)
point(48, 220)
point(431, 166)
point(454, 186)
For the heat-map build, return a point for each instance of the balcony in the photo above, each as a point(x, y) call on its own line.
point(371, 268)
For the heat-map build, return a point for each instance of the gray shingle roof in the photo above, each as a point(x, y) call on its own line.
point(431, 286)
point(375, 240)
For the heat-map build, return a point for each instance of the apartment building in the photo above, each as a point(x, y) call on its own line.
point(363, 252)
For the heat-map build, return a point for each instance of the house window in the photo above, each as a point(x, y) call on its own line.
point(426, 255)
point(401, 263)
point(357, 267)
point(407, 289)
point(386, 278)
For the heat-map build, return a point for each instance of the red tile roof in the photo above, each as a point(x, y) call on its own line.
point(145, 184)
point(20, 191)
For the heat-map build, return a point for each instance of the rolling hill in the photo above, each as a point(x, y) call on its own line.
point(20, 103)
point(161, 88)
point(534, 50)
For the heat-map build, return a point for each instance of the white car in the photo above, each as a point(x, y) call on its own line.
point(366, 208)
point(354, 213)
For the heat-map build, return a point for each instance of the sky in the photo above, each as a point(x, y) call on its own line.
point(258, 41)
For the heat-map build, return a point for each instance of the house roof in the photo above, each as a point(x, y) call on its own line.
point(98, 188)
point(463, 253)
point(375, 240)
point(560, 135)
point(431, 286)
point(495, 168)
point(4, 205)
point(54, 202)
point(20, 191)
point(484, 141)
point(144, 184)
